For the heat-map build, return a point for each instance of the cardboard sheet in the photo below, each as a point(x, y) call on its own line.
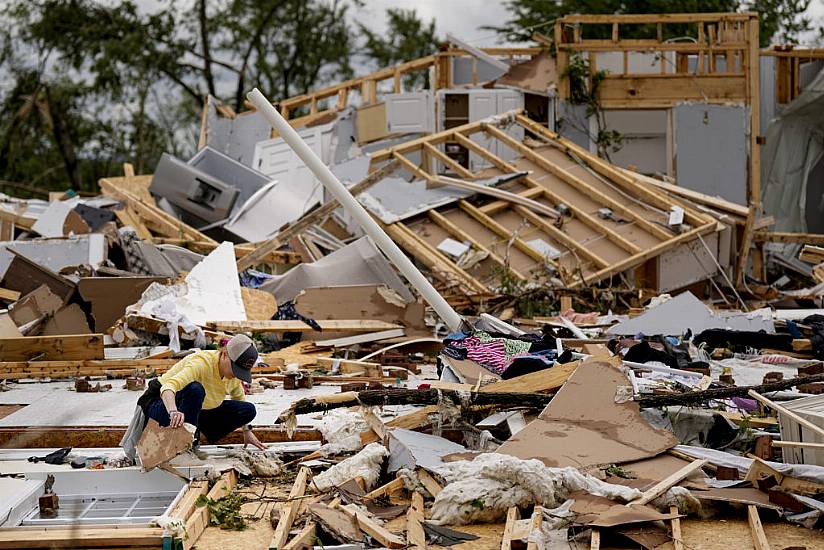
point(602, 512)
point(69, 320)
point(34, 305)
point(110, 296)
point(583, 425)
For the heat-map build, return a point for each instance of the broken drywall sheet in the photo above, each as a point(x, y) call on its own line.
point(408, 449)
point(538, 74)
point(358, 263)
point(571, 431)
point(158, 445)
point(51, 222)
point(55, 254)
point(685, 311)
point(213, 289)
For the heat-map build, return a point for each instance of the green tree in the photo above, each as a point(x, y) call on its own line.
point(780, 19)
point(407, 37)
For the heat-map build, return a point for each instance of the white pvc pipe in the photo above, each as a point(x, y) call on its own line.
point(354, 209)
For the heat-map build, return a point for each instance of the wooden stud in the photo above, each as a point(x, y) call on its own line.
point(280, 327)
point(415, 536)
point(512, 516)
point(448, 161)
point(577, 183)
point(786, 412)
point(504, 233)
point(373, 529)
point(462, 235)
point(305, 539)
point(289, 510)
point(199, 520)
point(664, 485)
point(677, 537)
point(430, 483)
point(595, 539)
point(759, 538)
point(60, 347)
point(393, 486)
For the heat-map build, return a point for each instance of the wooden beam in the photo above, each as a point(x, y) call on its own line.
point(595, 539)
point(754, 187)
point(504, 233)
point(664, 485)
point(447, 161)
point(373, 528)
point(577, 183)
point(798, 444)
point(554, 197)
point(289, 510)
point(386, 489)
point(462, 235)
point(561, 237)
point(66, 347)
point(241, 250)
point(759, 537)
point(430, 483)
point(75, 536)
point(199, 520)
point(428, 255)
point(415, 537)
point(305, 539)
point(313, 217)
point(677, 537)
point(280, 327)
point(787, 237)
point(537, 521)
point(511, 517)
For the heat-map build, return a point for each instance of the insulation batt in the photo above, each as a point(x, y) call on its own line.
point(482, 490)
point(366, 464)
point(341, 430)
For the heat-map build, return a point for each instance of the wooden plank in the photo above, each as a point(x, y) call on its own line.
point(199, 520)
point(677, 537)
point(595, 539)
point(415, 536)
point(313, 217)
point(65, 347)
point(665, 484)
point(305, 539)
point(289, 510)
point(81, 537)
point(9, 295)
point(798, 444)
point(759, 538)
point(429, 482)
point(462, 235)
point(393, 486)
point(546, 380)
point(348, 366)
point(188, 503)
point(373, 528)
point(512, 516)
point(279, 327)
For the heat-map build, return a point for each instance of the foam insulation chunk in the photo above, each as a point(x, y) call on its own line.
point(341, 430)
point(482, 490)
point(367, 464)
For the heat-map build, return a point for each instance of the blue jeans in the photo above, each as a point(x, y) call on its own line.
point(214, 424)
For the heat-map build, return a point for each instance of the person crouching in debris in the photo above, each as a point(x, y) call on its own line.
point(194, 391)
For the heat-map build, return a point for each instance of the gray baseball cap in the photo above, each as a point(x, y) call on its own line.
point(243, 356)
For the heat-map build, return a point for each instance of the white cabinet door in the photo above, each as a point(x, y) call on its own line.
point(482, 104)
point(411, 112)
point(507, 101)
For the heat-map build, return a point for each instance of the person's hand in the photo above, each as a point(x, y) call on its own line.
point(249, 438)
point(176, 419)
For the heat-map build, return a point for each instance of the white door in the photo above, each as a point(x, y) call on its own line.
point(411, 112)
point(482, 104)
point(509, 100)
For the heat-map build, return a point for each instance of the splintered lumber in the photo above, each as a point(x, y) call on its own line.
point(336, 522)
point(373, 528)
point(786, 412)
point(723, 393)
point(66, 347)
point(199, 520)
point(677, 537)
point(289, 510)
point(759, 538)
point(665, 484)
point(595, 539)
point(304, 539)
point(279, 327)
point(511, 517)
point(415, 537)
point(429, 482)
point(395, 485)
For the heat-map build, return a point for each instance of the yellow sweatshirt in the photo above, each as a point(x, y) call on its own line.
point(202, 366)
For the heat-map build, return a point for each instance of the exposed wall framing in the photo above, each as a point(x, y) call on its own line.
point(511, 239)
point(718, 64)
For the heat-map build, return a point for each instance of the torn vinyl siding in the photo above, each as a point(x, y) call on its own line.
point(710, 144)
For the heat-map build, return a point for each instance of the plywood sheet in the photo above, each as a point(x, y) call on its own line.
point(584, 426)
